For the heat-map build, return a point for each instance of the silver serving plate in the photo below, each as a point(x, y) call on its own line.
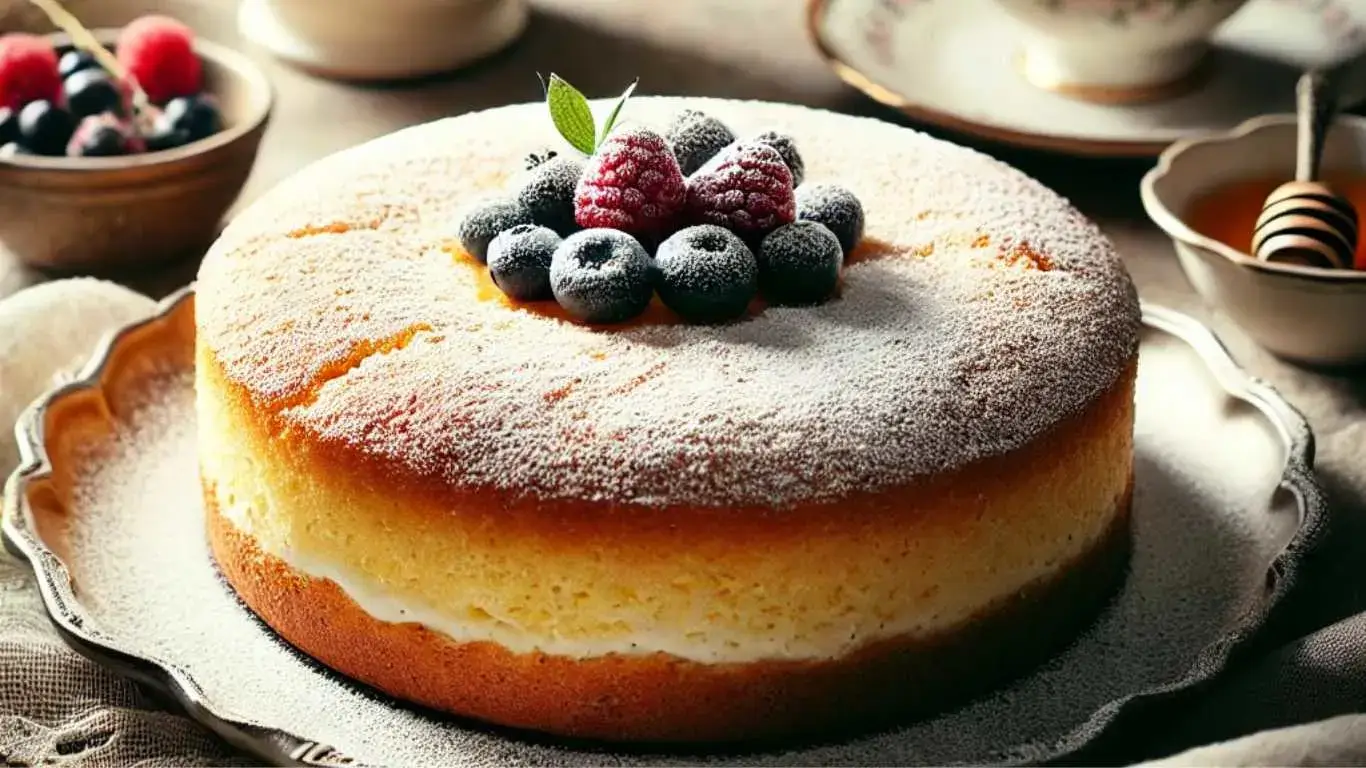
point(38, 499)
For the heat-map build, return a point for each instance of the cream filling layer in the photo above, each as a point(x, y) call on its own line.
point(710, 647)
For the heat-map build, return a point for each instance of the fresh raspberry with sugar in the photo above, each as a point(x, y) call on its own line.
point(158, 53)
point(28, 71)
point(746, 188)
point(631, 183)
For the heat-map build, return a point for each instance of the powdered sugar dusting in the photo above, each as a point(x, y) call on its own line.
point(995, 311)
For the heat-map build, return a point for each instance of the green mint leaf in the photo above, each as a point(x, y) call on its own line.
point(571, 114)
point(616, 109)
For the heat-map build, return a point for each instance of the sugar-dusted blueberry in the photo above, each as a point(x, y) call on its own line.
point(197, 116)
point(788, 149)
point(13, 149)
point(9, 125)
point(799, 264)
point(486, 221)
point(835, 207)
point(519, 261)
point(548, 192)
point(706, 274)
point(696, 137)
point(75, 60)
point(601, 276)
point(44, 128)
point(91, 92)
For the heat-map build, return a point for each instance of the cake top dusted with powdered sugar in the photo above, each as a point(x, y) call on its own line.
point(985, 311)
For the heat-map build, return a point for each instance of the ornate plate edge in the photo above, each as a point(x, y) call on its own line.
point(283, 748)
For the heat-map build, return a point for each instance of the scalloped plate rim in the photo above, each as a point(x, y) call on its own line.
point(283, 748)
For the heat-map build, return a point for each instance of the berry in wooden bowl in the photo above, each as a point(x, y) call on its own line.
point(126, 154)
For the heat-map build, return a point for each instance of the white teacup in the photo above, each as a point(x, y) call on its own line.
point(1116, 50)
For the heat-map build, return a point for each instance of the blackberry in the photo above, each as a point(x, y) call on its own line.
point(696, 138)
point(197, 116)
point(601, 276)
point(548, 193)
point(706, 274)
point(75, 60)
point(519, 261)
point(799, 264)
point(788, 149)
point(486, 221)
point(836, 208)
point(45, 129)
point(92, 92)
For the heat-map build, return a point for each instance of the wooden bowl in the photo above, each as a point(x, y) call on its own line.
point(100, 215)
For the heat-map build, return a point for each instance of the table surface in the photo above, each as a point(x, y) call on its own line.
point(752, 49)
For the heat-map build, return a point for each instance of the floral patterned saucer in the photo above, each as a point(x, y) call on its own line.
point(957, 64)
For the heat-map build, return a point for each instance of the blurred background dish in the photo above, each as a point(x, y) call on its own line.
point(956, 65)
point(1116, 51)
point(381, 39)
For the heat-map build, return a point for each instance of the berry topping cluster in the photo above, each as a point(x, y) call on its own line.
point(145, 96)
point(703, 219)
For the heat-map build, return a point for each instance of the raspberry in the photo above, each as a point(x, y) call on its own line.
point(158, 52)
point(696, 138)
point(747, 189)
point(632, 184)
point(28, 71)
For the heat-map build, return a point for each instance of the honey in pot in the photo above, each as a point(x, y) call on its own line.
point(1229, 212)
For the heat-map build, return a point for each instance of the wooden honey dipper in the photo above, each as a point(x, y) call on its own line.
point(1304, 221)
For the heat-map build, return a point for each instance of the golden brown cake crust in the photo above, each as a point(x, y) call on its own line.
point(618, 697)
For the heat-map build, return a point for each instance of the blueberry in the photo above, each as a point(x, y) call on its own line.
point(836, 208)
point(9, 125)
point(101, 141)
point(519, 261)
point(92, 92)
point(163, 136)
point(601, 276)
point(45, 129)
point(706, 274)
point(74, 61)
point(13, 149)
point(197, 116)
point(486, 221)
point(788, 149)
point(548, 193)
point(696, 138)
point(799, 263)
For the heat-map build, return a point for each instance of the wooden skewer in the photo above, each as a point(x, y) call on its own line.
point(1304, 221)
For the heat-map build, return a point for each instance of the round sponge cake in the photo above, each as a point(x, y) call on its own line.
point(810, 520)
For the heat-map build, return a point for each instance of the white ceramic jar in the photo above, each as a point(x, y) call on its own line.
point(381, 39)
